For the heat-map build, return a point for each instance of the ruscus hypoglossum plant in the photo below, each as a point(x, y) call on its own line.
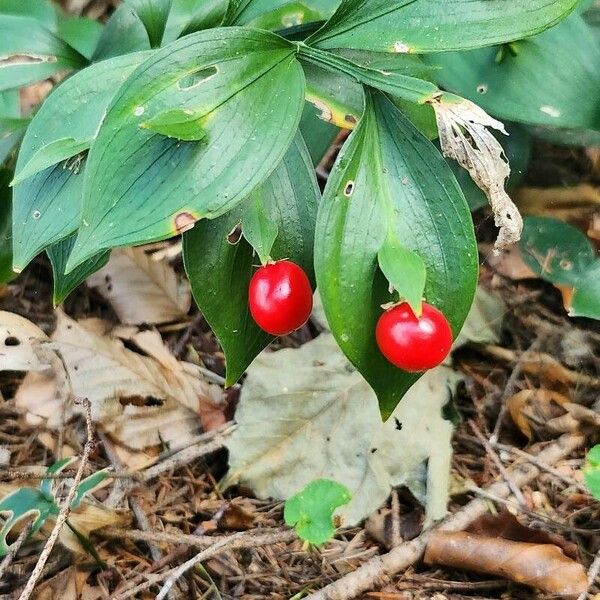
point(189, 117)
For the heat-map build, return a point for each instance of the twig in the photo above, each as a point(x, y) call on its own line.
point(509, 390)
point(396, 536)
point(496, 460)
point(237, 541)
point(592, 575)
point(378, 571)
point(15, 547)
point(544, 467)
point(65, 509)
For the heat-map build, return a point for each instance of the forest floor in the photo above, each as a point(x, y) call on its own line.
point(534, 390)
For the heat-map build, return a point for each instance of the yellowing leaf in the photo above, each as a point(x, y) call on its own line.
point(141, 289)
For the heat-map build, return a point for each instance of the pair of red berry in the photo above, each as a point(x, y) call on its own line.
point(281, 300)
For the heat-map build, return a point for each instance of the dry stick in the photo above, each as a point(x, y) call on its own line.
point(237, 541)
point(516, 492)
point(378, 571)
point(16, 546)
point(510, 389)
point(65, 509)
point(592, 575)
point(534, 460)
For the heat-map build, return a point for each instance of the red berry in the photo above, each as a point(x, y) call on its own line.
point(411, 343)
point(280, 297)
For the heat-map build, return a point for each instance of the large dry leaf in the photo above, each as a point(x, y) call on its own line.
point(306, 413)
point(142, 289)
point(137, 399)
point(540, 565)
point(19, 344)
point(465, 137)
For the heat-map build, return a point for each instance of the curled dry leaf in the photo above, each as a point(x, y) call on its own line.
point(465, 137)
point(142, 289)
point(531, 558)
point(531, 409)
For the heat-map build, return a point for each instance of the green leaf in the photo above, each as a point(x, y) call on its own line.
point(554, 79)
point(153, 14)
point(60, 465)
point(591, 471)
point(31, 52)
point(389, 178)
point(281, 14)
point(48, 190)
point(317, 133)
point(259, 229)
point(124, 33)
point(141, 186)
point(89, 485)
point(404, 269)
point(219, 268)
point(80, 33)
point(11, 132)
point(311, 510)
point(189, 16)
point(419, 26)
point(176, 124)
point(20, 504)
point(586, 296)
point(42, 10)
point(555, 250)
point(6, 272)
point(395, 83)
point(64, 284)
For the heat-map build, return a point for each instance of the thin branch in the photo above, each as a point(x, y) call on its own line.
point(65, 509)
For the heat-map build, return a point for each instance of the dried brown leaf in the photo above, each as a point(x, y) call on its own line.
point(465, 137)
point(142, 289)
point(531, 409)
point(542, 566)
point(19, 344)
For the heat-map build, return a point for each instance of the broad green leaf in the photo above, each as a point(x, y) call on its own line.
point(317, 133)
point(311, 510)
point(80, 33)
point(153, 14)
point(6, 272)
point(64, 284)
point(553, 80)
point(259, 229)
point(41, 10)
point(404, 269)
point(388, 177)
point(281, 14)
point(219, 262)
point(586, 296)
point(10, 104)
point(141, 186)
point(517, 148)
point(49, 172)
point(123, 33)
point(591, 471)
point(555, 250)
point(189, 16)
point(419, 26)
point(11, 131)
point(31, 52)
point(20, 504)
point(176, 124)
point(60, 465)
point(567, 137)
point(396, 83)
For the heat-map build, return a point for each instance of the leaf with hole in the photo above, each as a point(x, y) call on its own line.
point(143, 187)
point(49, 171)
point(419, 26)
point(389, 179)
point(310, 511)
point(29, 52)
point(219, 261)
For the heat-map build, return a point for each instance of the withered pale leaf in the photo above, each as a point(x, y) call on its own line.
point(135, 398)
point(542, 566)
point(464, 136)
point(19, 344)
point(142, 289)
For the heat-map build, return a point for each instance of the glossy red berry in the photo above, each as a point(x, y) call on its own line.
point(280, 297)
point(411, 343)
